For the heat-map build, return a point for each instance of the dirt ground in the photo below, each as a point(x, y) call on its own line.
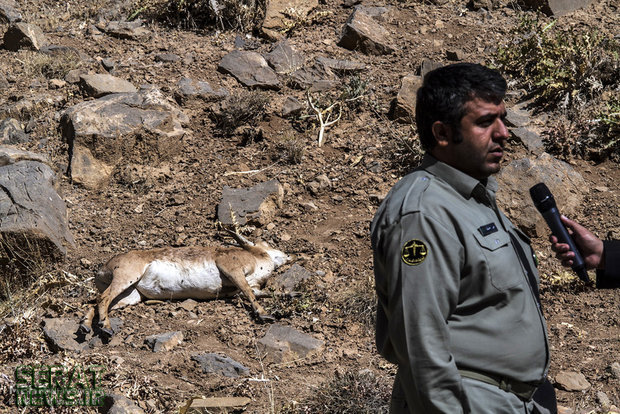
point(362, 158)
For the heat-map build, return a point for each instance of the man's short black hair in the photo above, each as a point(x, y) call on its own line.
point(445, 91)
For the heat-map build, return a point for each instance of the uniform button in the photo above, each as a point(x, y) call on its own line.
point(496, 241)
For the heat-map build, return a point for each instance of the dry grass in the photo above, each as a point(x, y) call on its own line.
point(243, 109)
point(349, 392)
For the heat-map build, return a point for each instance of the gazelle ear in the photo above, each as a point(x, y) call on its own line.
point(442, 133)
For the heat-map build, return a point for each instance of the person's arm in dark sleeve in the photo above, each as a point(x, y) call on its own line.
point(609, 276)
point(423, 261)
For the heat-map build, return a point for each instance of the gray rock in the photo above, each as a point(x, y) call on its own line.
point(341, 66)
point(516, 178)
point(284, 59)
point(317, 77)
point(164, 342)
point(99, 85)
point(254, 205)
point(222, 365)
point(517, 117)
point(283, 343)
point(188, 304)
point(32, 214)
point(141, 128)
point(291, 279)
point(249, 68)
point(126, 30)
point(188, 89)
point(379, 13)
point(532, 141)
point(119, 404)
point(427, 66)
point(615, 370)
point(362, 32)
point(291, 107)
point(403, 106)
point(167, 57)
point(572, 381)
point(24, 36)
point(4, 83)
point(8, 13)
point(61, 334)
point(11, 132)
point(556, 7)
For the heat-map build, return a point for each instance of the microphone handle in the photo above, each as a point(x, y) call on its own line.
point(552, 217)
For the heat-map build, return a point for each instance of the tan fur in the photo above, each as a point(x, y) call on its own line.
point(224, 271)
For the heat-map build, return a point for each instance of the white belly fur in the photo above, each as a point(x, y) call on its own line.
point(175, 280)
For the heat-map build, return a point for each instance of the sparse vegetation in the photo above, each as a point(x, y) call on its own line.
point(569, 70)
point(243, 15)
point(243, 109)
point(49, 66)
point(561, 68)
point(349, 392)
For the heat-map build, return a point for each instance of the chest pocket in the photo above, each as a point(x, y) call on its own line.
point(503, 265)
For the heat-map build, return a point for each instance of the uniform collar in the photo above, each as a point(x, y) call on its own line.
point(464, 184)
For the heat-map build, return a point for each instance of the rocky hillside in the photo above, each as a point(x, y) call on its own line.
point(129, 125)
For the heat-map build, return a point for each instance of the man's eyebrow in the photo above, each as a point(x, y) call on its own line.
point(491, 115)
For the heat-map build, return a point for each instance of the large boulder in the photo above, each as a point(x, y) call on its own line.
point(102, 84)
point(403, 106)
point(33, 217)
point(280, 15)
point(9, 12)
point(141, 128)
point(363, 32)
point(516, 179)
point(249, 68)
point(556, 7)
point(24, 36)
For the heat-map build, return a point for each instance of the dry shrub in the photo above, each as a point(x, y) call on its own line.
point(291, 149)
point(349, 392)
point(243, 15)
point(573, 71)
point(359, 303)
point(50, 66)
point(22, 261)
point(243, 109)
point(307, 300)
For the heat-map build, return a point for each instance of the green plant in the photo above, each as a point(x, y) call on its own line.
point(561, 68)
point(349, 392)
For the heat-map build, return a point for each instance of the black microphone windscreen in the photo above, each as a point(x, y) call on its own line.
point(542, 197)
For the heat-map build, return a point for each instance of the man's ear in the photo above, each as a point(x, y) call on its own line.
point(442, 133)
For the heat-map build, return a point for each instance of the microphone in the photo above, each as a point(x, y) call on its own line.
point(545, 203)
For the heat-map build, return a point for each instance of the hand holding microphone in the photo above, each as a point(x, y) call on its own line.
point(545, 203)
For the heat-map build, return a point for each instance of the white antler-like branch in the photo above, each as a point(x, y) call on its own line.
point(324, 117)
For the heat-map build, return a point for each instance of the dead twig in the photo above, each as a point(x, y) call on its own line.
point(324, 115)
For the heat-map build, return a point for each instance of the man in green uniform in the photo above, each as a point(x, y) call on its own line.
point(458, 310)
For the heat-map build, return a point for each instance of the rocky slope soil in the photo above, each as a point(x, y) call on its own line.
point(153, 168)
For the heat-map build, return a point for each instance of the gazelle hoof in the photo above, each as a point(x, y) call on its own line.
point(107, 332)
point(84, 329)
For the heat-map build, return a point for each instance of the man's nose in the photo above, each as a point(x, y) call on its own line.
point(501, 131)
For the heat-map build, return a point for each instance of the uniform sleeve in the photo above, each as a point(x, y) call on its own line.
point(610, 276)
point(419, 273)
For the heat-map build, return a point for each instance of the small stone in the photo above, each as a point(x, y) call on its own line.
point(615, 368)
point(572, 381)
point(188, 304)
point(164, 342)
